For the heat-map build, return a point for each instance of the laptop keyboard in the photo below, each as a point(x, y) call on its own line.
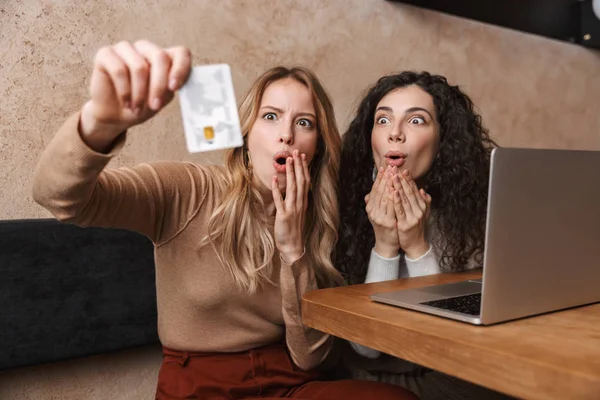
point(469, 304)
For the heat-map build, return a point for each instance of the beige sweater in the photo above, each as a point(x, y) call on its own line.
point(199, 306)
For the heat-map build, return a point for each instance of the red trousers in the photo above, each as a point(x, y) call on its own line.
point(266, 372)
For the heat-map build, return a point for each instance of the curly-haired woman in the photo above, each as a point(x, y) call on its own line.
point(413, 197)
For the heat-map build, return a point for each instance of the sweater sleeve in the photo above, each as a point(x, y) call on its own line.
point(427, 264)
point(152, 199)
point(382, 269)
point(308, 347)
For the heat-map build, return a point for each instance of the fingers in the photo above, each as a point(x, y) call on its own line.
point(381, 191)
point(181, 66)
point(160, 61)
point(406, 206)
point(387, 196)
point(372, 194)
point(144, 74)
point(378, 187)
point(412, 201)
point(413, 186)
point(290, 186)
point(416, 204)
point(401, 196)
point(409, 195)
point(389, 211)
point(427, 198)
point(109, 62)
point(307, 179)
point(380, 202)
point(300, 180)
point(384, 201)
point(277, 194)
point(398, 207)
point(379, 177)
point(138, 70)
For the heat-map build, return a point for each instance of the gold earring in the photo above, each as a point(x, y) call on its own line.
point(247, 164)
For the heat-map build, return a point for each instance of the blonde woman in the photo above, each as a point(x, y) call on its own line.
point(237, 246)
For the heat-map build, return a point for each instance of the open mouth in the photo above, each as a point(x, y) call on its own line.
point(279, 161)
point(395, 158)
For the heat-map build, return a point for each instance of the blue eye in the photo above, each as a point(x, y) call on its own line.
point(417, 121)
point(305, 123)
point(270, 116)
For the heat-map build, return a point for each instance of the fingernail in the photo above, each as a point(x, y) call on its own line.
point(173, 84)
point(396, 178)
point(303, 156)
point(155, 105)
point(405, 172)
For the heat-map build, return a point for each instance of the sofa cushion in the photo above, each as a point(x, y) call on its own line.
point(67, 291)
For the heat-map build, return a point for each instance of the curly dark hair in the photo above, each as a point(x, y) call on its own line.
point(457, 180)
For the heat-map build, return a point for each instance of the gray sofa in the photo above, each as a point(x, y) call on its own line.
point(68, 292)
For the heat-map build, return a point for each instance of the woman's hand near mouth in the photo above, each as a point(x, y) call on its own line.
point(291, 212)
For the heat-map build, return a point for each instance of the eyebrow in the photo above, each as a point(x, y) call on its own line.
point(279, 110)
point(407, 111)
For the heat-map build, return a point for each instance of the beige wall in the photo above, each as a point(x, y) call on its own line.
point(530, 90)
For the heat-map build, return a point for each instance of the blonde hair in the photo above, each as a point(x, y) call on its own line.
point(238, 228)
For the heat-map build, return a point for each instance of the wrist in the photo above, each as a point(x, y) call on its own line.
point(98, 136)
point(386, 250)
point(291, 256)
point(417, 250)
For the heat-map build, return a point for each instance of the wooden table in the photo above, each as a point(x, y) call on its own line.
point(552, 356)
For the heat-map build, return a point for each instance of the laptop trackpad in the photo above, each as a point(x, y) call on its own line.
point(453, 289)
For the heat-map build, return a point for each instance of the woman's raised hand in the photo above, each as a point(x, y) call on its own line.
point(290, 214)
point(130, 83)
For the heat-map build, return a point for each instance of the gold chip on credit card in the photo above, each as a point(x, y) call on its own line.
point(209, 133)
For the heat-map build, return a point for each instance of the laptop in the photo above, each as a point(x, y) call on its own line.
point(542, 242)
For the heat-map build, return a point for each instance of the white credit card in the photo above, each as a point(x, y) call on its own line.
point(209, 109)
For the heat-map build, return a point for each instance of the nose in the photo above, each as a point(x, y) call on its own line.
point(396, 134)
point(286, 135)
